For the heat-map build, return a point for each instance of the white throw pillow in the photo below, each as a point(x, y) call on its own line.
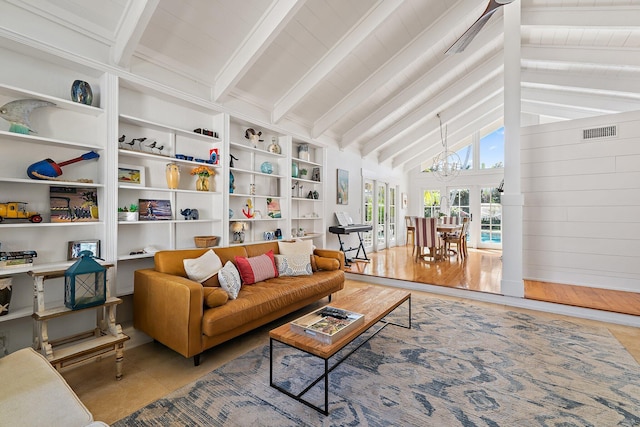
point(296, 248)
point(294, 265)
point(201, 268)
point(230, 280)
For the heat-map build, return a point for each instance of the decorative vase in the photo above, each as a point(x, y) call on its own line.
point(81, 92)
point(202, 183)
point(172, 173)
point(5, 295)
point(294, 170)
point(303, 152)
point(274, 147)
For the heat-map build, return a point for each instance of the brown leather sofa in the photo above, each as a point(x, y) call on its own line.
point(169, 307)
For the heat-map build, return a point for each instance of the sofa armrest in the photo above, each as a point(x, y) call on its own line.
point(331, 253)
point(165, 306)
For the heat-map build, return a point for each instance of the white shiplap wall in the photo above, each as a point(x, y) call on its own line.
point(581, 218)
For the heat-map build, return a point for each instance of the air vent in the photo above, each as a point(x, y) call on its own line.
point(603, 132)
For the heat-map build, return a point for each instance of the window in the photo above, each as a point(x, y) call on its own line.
point(368, 212)
point(466, 157)
point(459, 199)
point(492, 149)
point(491, 212)
point(431, 203)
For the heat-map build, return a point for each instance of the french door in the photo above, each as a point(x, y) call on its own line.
point(380, 211)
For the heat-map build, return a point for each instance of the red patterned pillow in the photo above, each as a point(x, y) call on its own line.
point(257, 268)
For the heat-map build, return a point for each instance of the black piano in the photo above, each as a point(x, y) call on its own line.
point(348, 229)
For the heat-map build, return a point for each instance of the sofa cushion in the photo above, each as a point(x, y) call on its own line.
point(265, 298)
point(202, 268)
point(230, 279)
point(293, 265)
point(215, 297)
point(296, 247)
point(324, 263)
point(256, 269)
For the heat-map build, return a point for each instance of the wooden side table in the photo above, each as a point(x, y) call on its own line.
point(107, 336)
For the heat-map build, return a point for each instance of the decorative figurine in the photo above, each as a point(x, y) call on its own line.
point(18, 210)
point(232, 185)
point(238, 229)
point(190, 214)
point(17, 113)
point(253, 136)
point(232, 159)
point(248, 212)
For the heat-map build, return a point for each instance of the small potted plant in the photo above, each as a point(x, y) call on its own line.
point(128, 213)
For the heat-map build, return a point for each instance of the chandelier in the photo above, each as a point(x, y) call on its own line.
point(447, 164)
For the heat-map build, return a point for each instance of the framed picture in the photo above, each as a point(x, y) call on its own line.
point(131, 174)
point(343, 187)
point(73, 204)
point(76, 246)
point(154, 210)
point(273, 208)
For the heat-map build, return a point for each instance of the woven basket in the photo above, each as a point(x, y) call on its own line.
point(205, 241)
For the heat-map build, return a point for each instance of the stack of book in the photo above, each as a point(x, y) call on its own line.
point(327, 324)
point(17, 259)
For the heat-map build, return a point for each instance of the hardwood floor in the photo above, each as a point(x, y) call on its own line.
point(482, 271)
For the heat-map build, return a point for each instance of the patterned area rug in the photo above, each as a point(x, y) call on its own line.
point(460, 365)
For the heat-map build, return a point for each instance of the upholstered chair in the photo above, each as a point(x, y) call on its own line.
point(427, 237)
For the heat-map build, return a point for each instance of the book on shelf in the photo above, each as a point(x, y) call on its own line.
point(22, 262)
point(6, 256)
point(327, 324)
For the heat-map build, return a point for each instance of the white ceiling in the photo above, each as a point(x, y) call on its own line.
point(370, 75)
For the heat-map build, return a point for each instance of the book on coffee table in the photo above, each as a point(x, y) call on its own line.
point(327, 324)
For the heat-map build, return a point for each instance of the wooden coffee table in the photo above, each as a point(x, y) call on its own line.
point(373, 302)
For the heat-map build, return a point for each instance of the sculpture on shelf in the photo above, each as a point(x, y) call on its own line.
point(48, 169)
point(247, 212)
point(190, 214)
point(232, 159)
point(253, 136)
point(81, 92)
point(232, 181)
point(17, 113)
point(238, 228)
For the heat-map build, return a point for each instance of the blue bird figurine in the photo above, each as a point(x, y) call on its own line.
point(17, 113)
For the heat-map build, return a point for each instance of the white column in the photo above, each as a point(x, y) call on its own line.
point(512, 199)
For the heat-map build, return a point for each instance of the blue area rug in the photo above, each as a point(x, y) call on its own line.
point(460, 365)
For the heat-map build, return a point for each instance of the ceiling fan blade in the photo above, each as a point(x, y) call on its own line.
point(473, 31)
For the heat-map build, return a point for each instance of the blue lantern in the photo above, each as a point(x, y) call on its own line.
point(85, 283)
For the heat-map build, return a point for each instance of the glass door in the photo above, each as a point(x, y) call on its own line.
point(490, 219)
point(381, 217)
point(392, 218)
point(367, 200)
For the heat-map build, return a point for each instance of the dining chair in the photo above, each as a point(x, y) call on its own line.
point(459, 239)
point(411, 230)
point(427, 237)
point(450, 220)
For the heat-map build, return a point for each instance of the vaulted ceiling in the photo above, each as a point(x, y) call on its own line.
point(368, 75)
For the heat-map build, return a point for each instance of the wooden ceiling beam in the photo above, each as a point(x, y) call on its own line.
point(135, 19)
point(260, 37)
point(377, 15)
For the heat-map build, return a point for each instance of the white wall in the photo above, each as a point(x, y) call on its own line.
point(581, 218)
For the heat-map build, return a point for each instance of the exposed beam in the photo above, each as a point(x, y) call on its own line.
point(585, 102)
point(625, 87)
point(272, 22)
point(403, 59)
point(477, 98)
point(363, 29)
point(437, 76)
point(458, 130)
point(136, 18)
point(453, 122)
point(627, 59)
point(455, 91)
point(563, 112)
point(618, 17)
